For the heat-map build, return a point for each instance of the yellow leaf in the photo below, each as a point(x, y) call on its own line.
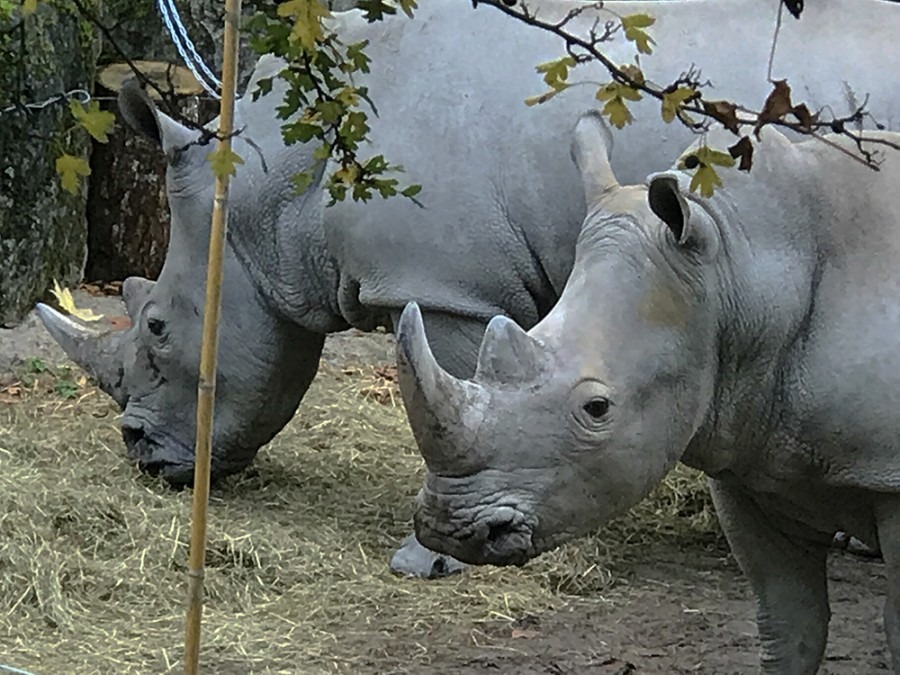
point(348, 96)
point(641, 40)
point(613, 90)
point(556, 72)
point(67, 303)
point(29, 7)
point(224, 162)
point(408, 6)
point(634, 26)
point(69, 169)
point(347, 174)
point(637, 21)
point(706, 179)
point(618, 113)
point(708, 156)
point(307, 15)
point(97, 122)
point(541, 98)
point(673, 101)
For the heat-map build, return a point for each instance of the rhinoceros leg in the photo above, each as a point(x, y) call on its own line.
point(888, 520)
point(787, 577)
point(455, 341)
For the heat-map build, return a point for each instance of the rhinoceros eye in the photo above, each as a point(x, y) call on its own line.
point(596, 407)
point(156, 326)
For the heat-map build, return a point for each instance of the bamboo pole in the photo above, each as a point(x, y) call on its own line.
point(206, 388)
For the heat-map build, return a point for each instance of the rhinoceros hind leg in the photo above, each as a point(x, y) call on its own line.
point(787, 576)
point(414, 560)
point(887, 513)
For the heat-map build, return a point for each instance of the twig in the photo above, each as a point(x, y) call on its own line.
point(590, 51)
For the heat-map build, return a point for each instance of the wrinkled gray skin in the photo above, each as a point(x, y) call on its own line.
point(502, 206)
point(752, 336)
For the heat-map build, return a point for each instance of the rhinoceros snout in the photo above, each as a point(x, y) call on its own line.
point(168, 459)
point(504, 536)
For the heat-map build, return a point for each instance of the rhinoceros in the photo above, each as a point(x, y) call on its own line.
point(502, 206)
point(751, 335)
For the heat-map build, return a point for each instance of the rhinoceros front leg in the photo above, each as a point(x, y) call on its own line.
point(887, 513)
point(788, 579)
point(455, 341)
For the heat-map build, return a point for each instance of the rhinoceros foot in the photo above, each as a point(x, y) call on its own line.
point(845, 542)
point(414, 560)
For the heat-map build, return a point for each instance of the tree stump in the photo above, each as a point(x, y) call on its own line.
point(127, 211)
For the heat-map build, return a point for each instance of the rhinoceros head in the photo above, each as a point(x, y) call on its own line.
point(575, 421)
point(265, 363)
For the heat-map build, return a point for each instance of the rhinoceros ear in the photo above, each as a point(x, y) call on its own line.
point(142, 115)
point(591, 146)
point(667, 202)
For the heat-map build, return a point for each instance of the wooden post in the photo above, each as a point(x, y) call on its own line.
point(206, 389)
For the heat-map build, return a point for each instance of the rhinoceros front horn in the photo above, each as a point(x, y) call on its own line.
point(444, 411)
point(508, 354)
point(97, 352)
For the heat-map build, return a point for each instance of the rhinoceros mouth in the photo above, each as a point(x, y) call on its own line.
point(159, 455)
point(504, 536)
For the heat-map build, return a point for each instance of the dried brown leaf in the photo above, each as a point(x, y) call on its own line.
point(743, 150)
point(777, 105)
point(804, 116)
point(723, 112)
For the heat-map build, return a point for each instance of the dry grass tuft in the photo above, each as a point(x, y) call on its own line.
point(92, 554)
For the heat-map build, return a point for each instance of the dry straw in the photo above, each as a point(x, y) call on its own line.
point(297, 576)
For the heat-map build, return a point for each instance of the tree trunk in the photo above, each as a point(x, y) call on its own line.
point(42, 227)
point(128, 215)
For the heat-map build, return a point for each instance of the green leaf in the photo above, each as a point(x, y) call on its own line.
point(706, 180)
point(411, 191)
point(97, 122)
point(29, 7)
point(673, 102)
point(69, 169)
point(302, 181)
point(224, 162)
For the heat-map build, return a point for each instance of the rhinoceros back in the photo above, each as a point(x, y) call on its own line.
point(502, 202)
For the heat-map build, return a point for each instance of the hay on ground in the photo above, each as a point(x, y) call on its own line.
point(93, 554)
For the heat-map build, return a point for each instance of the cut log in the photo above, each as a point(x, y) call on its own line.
point(128, 215)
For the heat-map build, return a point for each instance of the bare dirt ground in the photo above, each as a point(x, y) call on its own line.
point(299, 585)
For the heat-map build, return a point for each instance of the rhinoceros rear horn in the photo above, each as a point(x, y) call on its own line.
point(97, 352)
point(508, 354)
point(591, 146)
point(440, 406)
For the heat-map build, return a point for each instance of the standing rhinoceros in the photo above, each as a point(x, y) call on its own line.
point(753, 336)
point(502, 206)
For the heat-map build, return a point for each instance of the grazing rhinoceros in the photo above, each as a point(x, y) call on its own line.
point(753, 336)
point(502, 204)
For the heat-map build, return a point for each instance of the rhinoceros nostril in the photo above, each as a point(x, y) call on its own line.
point(132, 436)
point(499, 530)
